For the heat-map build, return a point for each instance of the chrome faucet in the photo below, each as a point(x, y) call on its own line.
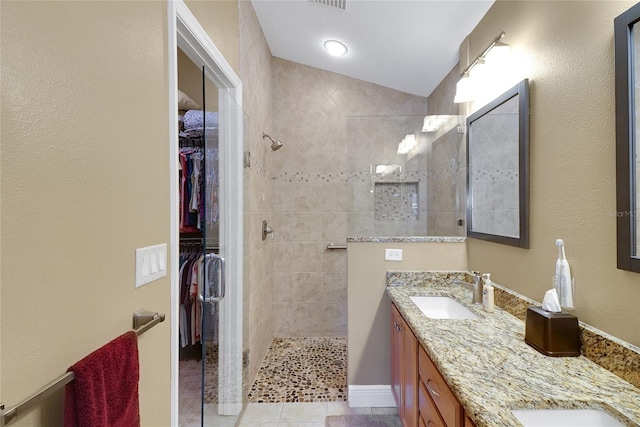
point(475, 287)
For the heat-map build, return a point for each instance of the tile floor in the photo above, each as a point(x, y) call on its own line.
point(300, 414)
point(190, 384)
point(301, 381)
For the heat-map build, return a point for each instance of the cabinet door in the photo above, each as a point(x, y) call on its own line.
point(468, 422)
point(396, 357)
point(404, 369)
point(410, 381)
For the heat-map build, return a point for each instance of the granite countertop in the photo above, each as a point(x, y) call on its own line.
point(414, 239)
point(492, 370)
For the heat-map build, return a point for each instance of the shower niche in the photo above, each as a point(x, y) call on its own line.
point(396, 201)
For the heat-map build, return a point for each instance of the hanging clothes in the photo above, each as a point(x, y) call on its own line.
point(211, 185)
point(190, 306)
point(196, 272)
point(191, 195)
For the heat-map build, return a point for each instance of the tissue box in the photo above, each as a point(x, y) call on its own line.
point(552, 334)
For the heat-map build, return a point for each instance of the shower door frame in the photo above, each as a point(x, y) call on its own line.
point(185, 32)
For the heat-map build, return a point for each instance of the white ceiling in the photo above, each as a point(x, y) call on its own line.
point(407, 45)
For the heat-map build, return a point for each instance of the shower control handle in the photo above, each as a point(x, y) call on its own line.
point(266, 230)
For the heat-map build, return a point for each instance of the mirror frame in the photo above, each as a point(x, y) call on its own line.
point(625, 140)
point(521, 90)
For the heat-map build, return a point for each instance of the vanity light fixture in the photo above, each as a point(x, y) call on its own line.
point(407, 144)
point(387, 169)
point(433, 123)
point(495, 55)
point(335, 48)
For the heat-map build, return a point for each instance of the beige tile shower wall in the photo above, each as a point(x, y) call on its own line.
point(255, 65)
point(372, 141)
point(446, 183)
point(310, 191)
point(447, 167)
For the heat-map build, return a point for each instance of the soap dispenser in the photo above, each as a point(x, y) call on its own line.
point(488, 301)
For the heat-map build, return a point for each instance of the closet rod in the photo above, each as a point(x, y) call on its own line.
point(55, 385)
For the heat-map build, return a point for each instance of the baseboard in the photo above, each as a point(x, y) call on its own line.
point(374, 396)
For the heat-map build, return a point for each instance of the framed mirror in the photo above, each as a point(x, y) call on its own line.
point(627, 64)
point(498, 169)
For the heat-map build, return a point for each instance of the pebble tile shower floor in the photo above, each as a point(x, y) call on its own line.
point(302, 370)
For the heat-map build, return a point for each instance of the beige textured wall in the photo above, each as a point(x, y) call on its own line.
point(569, 46)
point(255, 65)
point(85, 181)
point(312, 190)
point(190, 79)
point(220, 19)
point(369, 338)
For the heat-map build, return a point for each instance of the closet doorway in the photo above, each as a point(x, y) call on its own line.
point(207, 232)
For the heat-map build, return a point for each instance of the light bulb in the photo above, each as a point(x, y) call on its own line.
point(335, 48)
point(464, 91)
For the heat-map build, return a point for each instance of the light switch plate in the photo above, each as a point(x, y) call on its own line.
point(393, 254)
point(151, 264)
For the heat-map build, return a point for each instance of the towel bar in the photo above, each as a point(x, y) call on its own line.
point(332, 246)
point(145, 321)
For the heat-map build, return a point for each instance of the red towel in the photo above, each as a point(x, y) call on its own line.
point(105, 390)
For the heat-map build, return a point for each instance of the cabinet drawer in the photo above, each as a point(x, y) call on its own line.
point(429, 416)
point(444, 399)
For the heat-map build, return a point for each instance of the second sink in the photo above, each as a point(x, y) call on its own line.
point(436, 307)
point(565, 418)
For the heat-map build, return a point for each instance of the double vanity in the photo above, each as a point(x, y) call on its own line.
point(456, 365)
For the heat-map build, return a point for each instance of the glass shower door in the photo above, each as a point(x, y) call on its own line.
point(221, 295)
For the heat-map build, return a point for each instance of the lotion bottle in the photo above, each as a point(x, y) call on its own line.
point(488, 302)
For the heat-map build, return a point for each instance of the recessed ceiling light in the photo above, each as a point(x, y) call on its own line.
point(335, 48)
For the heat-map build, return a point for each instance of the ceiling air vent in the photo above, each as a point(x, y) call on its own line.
point(337, 4)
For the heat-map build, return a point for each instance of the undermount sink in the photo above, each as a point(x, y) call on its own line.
point(565, 418)
point(442, 308)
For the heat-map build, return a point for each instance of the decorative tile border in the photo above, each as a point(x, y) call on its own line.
point(412, 239)
point(366, 176)
point(613, 354)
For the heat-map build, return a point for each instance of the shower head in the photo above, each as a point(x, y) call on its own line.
point(275, 144)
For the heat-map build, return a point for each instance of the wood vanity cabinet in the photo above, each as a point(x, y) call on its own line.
point(423, 397)
point(404, 369)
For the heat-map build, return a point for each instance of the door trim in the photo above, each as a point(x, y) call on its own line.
point(185, 31)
